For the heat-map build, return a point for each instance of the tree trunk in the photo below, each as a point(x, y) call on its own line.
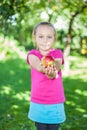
point(67, 48)
point(66, 55)
point(68, 41)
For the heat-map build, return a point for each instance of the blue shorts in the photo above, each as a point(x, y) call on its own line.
point(44, 113)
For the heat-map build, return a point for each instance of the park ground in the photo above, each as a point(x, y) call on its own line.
point(15, 94)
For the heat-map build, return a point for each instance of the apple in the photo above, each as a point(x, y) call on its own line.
point(47, 61)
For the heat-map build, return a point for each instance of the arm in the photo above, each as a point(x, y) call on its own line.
point(58, 63)
point(35, 62)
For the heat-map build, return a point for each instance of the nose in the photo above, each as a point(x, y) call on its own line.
point(45, 39)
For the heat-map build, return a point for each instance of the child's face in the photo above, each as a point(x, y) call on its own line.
point(44, 37)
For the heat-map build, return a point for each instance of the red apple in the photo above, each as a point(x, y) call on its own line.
point(47, 61)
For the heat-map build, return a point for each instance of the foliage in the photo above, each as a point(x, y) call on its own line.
point(18, 17)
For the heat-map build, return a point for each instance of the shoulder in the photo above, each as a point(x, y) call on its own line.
point(57, 53)
point(33, 52)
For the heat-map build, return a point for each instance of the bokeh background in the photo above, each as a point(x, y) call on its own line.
point(17, 20)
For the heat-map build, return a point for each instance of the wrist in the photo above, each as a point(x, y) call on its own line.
point(40, 68)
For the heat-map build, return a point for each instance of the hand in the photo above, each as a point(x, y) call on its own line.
point(50, 71)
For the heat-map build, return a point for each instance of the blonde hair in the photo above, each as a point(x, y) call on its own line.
point(44, 23)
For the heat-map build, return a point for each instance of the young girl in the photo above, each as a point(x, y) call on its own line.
point(47, 94)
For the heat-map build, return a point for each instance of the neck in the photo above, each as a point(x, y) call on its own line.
point(44, 52)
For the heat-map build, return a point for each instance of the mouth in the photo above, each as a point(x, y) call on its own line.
point(45, 47)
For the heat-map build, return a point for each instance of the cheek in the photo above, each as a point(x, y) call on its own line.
point(37, 40)
point(52, 41)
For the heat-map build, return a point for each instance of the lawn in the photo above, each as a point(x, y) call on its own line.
point(15, 94)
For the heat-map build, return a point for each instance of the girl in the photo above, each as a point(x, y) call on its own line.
point(47, 94)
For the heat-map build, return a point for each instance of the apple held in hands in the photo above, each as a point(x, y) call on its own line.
point(47, 61)
point(49, 67)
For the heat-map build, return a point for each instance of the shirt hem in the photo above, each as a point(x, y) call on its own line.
point(56, 102)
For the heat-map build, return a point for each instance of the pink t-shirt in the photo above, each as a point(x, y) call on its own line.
point(44, 90)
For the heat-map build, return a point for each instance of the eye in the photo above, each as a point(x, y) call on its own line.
point(40, 36)
point(49, 37)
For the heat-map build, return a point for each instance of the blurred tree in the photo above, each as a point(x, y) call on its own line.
point(79, 8)
point(18, 17)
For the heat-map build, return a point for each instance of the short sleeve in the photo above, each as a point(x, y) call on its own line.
point(57, 53)
point(33, 52)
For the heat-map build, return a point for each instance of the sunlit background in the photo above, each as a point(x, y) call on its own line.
point(17, 20)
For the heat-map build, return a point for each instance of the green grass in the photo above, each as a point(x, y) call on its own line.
point(15, 94)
